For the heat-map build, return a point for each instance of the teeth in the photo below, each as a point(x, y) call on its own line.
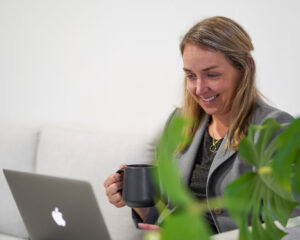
point(209, 99)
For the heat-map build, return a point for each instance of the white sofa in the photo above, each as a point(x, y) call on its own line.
point(78, 154)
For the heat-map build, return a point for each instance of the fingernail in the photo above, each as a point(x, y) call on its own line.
point(141, 225)
point(144, 226)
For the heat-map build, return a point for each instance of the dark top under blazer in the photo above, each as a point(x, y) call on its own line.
point(226, 166)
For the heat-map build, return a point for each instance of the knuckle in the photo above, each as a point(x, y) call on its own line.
point(115, 187)
point(119, 197)
point(109, 180)
point(107, 192)
point(119, 185)
point(121, 204)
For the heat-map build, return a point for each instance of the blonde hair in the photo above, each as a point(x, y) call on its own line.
point(229, 38)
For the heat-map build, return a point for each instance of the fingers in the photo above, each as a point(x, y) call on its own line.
point(120, 204)
point(115, 177)
point(149, 227)
point(116, 200)
point(113, 188)
point(112, 185)
point(123, 166)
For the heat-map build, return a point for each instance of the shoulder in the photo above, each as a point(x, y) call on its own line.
point(264, 111)
point(175, 113)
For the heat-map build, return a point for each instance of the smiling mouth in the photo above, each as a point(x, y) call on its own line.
point(210, 98)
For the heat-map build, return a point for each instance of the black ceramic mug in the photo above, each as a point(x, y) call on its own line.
point(138, 190)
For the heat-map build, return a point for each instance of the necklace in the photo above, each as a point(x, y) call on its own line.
point(213, 147)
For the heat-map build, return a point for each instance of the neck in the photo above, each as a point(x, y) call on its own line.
point(219, 126)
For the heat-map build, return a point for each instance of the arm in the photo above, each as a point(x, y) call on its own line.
point(142, 212)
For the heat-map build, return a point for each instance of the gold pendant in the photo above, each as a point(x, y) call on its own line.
point(213, 148)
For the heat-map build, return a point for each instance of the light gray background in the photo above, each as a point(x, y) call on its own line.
point(115, 64)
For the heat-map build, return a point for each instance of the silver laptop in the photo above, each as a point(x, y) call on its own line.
point(55, 208)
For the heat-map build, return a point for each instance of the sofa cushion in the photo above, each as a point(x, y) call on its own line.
point(93, 157)
point(17, 151)
point(9, 237)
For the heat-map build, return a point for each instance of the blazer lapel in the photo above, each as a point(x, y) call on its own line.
point(221, 156)
point(186, 160)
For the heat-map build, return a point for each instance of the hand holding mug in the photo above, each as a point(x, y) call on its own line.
point(113, 184)
point(138, 190)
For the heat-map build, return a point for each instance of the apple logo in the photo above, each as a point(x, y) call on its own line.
point(58, 218)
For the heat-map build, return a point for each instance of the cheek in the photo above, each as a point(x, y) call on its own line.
point(190, 88)
point(225, 86)
point(228, 91)
point(220, 87)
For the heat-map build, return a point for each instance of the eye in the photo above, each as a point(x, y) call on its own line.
point(191, 76)
point(213, 75)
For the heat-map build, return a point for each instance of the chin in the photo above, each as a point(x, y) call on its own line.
point(209, 111)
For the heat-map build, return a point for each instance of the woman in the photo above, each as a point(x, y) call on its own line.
point(220, 92)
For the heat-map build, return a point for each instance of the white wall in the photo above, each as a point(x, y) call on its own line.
point(116, 64)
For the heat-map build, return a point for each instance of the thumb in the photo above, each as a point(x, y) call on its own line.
point(149, 227)
point(123, 165)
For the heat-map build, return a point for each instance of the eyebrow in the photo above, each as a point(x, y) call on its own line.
point(205, 69)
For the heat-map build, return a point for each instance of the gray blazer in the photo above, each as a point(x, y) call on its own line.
point(226, 166)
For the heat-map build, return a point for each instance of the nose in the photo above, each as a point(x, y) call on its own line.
point(201, 86)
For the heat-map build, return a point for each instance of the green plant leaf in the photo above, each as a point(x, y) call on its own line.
point(249, 197)
point(255, 154)
point(186, 221)
point(185, 225)
point(151, 235)
point(168, 174)
point(296, 176)
point(268, 131)
point(288, 156)
point(259, 196)
point(248, 151)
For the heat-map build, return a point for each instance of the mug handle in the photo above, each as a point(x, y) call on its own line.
point(120, 171)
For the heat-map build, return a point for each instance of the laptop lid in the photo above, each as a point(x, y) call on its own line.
point(54, 208)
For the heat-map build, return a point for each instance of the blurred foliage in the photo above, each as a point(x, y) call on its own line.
point(185, 222)
point(258, 196)
point(263, 195)
point(286, 162)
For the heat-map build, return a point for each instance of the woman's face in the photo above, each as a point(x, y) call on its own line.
point(211, 79)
